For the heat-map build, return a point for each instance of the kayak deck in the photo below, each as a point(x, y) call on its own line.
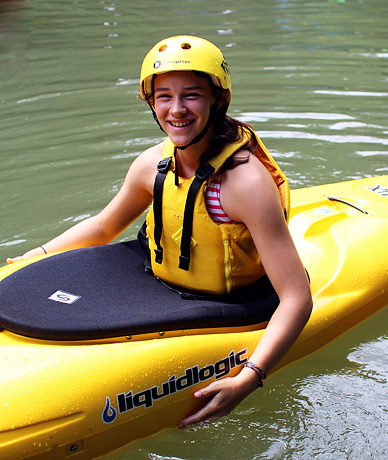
point(102, 292)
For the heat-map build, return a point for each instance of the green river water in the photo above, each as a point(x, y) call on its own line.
point(310, 76)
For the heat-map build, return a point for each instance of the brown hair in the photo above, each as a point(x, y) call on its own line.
point(226, 130)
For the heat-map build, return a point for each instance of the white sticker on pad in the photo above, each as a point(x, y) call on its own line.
point(64, 297)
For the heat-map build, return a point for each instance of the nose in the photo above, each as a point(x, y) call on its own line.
point(178, 108)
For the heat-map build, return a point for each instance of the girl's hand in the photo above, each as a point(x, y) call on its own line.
point(225, 395)
point(12, 260)
point(33, 253)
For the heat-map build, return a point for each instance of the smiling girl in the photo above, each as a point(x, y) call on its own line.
point(218, 220)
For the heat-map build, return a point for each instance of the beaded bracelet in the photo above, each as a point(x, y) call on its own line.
point(261, 374)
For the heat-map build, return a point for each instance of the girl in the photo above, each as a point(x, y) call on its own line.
point(218, 220)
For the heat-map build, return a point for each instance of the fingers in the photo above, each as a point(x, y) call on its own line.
point(208, 391)
point(220, 404)
point(12, 260)
point(222, 397)
point(206, 413)
point(32, 253)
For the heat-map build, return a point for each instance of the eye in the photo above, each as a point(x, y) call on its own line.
point(193, 95)
point(162, 96)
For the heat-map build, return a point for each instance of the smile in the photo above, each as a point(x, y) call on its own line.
point(180, 125)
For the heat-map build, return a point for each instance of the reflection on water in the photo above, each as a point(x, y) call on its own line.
point(312, 79)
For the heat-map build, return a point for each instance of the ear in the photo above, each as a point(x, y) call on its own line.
point(225, 97)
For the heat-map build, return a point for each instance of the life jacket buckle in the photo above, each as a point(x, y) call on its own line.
point(204, 171)
point(184, 262)
point(159, 255)
point(164, 165)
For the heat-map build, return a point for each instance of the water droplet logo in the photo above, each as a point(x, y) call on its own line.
point(109, 413)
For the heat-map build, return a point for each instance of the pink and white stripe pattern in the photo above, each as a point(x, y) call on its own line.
point(213, 203)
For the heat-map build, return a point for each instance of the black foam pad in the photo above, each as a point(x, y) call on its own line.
point(104, 291)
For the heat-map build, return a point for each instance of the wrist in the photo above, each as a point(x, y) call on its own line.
point(259, 372)
point(247, 380)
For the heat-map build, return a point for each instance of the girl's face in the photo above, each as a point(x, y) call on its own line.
point(182, 104)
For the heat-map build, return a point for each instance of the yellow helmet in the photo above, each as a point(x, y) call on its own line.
point(184, 52)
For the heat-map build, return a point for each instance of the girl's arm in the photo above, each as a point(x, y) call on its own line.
point(249, 195)
point(129, 203)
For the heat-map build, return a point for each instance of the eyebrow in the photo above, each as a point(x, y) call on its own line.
point(186, 88)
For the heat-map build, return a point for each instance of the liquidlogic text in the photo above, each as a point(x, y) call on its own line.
point(127, 401)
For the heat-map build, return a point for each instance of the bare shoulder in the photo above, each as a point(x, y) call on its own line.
point(150, 157)
point(143, 170)
point(248, 187)
point(247, 177)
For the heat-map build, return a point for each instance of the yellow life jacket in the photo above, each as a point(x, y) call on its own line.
point(209, 257)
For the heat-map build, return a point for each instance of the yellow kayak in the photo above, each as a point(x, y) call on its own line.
point(71, 389)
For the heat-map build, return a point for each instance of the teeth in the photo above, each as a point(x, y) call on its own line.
point(180, 125)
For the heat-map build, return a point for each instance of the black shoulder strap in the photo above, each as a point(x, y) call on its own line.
point(163, 168)
point(201, 174)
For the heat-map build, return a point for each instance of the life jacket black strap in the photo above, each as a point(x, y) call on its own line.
point(203, 172)
point(163, 168)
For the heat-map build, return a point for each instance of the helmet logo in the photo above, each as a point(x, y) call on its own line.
point(225, 67)
point(158, 64)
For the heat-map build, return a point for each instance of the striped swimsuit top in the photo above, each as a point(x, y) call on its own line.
point(213, 203)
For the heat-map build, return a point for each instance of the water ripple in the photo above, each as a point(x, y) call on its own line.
point(265, 116)
point(350, 93)
point(338, 139)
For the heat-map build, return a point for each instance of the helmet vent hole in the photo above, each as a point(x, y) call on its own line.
point(163, 48)
point(185, 46)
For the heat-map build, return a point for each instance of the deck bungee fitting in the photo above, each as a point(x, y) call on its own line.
point(98, 355)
